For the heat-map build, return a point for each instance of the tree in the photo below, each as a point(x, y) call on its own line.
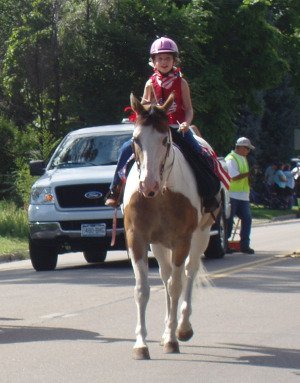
point(69, 63)
point(281, 117)
point(30, 75)
point(239, 42)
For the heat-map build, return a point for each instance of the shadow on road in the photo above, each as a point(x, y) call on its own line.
point(246, 354)
point(240, 271)
point(255, 355)
point(112, 273)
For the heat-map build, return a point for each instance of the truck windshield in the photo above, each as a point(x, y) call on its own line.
point(89, 151)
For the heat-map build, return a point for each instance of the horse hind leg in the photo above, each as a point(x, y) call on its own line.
point(163, 257)
point(174, 289)
point(184, 330)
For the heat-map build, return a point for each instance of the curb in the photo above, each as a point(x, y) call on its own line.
point(287, 217)
point(5, 258)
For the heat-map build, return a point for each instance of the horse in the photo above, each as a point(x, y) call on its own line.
point(163, 210)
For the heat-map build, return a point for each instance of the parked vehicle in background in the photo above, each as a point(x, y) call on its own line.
point(67, 211)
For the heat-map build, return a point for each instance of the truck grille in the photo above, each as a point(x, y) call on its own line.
point(74, 196)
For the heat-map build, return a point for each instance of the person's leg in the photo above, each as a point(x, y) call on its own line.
point(114, 195)
point(191, 140)
point(230, 222)
point(209, 182)
point(125, 153)
point(233, 209)
point(244, 213)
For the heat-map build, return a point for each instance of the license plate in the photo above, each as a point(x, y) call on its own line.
point(93, 230)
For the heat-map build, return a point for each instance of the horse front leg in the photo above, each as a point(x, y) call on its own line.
point(141, 296)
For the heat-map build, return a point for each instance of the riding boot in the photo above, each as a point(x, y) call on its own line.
point(114, 197)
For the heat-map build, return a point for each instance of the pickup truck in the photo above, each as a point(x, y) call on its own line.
point(67, 211)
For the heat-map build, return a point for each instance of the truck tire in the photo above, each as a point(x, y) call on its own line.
point(218, 243)
point(95, 256)
point(43, 258)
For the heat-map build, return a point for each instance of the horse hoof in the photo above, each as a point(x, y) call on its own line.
point(141, 353)
point(171, 348)
point(184, 336)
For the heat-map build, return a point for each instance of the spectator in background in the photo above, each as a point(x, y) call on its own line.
point(239, 191)
point(279, 180)
point(269, 175)
point(290, 185)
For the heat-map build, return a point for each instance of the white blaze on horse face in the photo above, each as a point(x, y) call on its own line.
point(153, 156)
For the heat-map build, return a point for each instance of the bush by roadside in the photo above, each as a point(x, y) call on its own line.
point(13, 232)
point(13, 221)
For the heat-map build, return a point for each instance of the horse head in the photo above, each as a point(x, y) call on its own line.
point(151, 144)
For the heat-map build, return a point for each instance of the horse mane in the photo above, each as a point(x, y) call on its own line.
point(152, 115)
point(155, 117)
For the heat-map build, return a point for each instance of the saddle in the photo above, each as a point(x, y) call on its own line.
point(208, 183)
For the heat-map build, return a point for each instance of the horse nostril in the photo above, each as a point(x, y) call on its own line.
point(151, 194)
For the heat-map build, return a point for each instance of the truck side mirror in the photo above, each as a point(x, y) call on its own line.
point(37, 167)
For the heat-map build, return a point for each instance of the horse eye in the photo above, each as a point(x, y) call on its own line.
point(136, 141)
point(165, 141)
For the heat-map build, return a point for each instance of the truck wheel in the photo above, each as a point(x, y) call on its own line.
point(95, 256)
point(43, 258)
point(218, 243)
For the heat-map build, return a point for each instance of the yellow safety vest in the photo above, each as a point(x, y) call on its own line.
point(241, 185)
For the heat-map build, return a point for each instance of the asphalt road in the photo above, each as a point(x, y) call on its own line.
point(76, 324)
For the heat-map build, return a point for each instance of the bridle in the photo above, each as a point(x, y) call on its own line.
point(167, 142)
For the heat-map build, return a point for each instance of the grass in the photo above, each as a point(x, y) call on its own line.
point(12, 248)
point(262, 212)
point(13, 221)
point(13, 231)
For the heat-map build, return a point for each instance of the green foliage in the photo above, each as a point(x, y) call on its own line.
point(30, 77)
point(262, 213)
point(7, 155)
point(71, 63)
point(7, 134)
point(13, 221)
point(36, 142)
point(281, 116)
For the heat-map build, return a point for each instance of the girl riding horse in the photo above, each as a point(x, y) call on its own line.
point(168, 79)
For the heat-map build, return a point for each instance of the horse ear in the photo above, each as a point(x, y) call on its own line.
point(136, 106)
point(167, 105)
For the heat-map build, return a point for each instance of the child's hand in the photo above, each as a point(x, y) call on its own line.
point(183, 127)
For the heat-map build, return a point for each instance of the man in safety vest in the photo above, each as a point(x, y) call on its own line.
point(239, 191)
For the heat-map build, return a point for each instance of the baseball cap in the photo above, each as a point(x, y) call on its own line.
point(243, 141)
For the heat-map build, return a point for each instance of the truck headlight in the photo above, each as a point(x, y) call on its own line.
point(41, 196)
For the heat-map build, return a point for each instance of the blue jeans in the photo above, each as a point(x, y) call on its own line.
point(126, 152)
point(241, 209)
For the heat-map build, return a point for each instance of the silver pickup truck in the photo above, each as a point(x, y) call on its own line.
point(67, 211)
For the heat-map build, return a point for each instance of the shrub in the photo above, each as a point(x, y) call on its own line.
point(13, 221)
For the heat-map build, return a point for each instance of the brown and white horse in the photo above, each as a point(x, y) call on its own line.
point(162, 208)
